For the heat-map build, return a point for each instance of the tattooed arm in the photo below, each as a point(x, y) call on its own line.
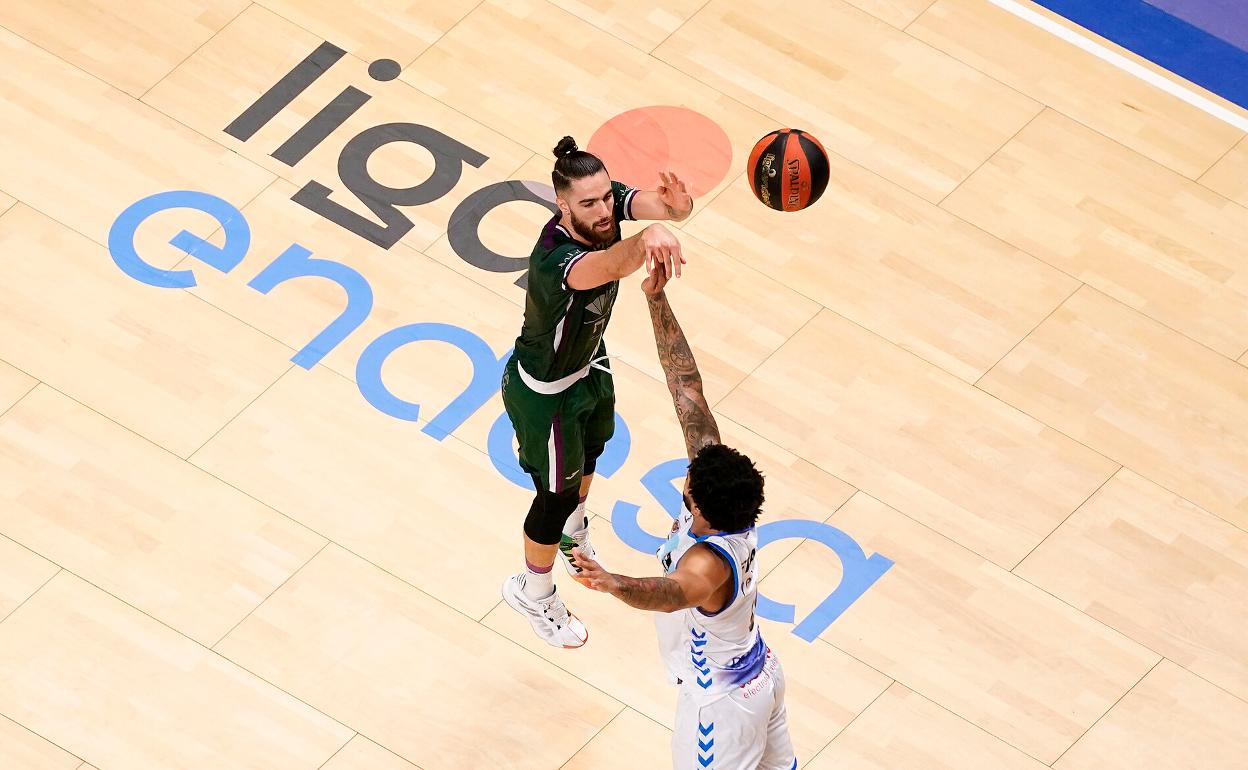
point(695, 582)
point(681, 371)
point(651, 593)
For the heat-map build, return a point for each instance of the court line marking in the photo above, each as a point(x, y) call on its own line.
point(1123, 63)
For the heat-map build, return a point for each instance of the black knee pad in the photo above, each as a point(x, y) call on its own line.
point(548, 514)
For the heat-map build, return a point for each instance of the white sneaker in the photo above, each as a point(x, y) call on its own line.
point(578, 539)
point(549, 617)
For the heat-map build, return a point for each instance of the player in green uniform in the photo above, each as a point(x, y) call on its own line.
point(557, 389)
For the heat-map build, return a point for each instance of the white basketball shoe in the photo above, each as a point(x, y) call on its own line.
point(578, 539)
point(549, 617)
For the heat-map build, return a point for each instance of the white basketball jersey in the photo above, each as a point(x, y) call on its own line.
point(713, 652)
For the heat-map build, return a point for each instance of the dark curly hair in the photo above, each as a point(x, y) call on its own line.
point(573, 163)
point(726, 487)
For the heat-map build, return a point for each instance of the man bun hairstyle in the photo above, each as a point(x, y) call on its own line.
point(572, 163)
point(726, 487)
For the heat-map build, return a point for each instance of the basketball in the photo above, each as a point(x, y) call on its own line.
point(788, 169)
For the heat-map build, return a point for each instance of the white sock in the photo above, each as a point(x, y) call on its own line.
point(577, 521)
point(538, 585)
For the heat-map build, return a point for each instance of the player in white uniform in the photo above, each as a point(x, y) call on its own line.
point(730, 711)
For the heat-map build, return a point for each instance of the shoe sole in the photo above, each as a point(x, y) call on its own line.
point(507, 599)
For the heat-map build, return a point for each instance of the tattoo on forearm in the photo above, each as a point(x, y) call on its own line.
point(653, 593)
point(683, 379)
point(698, 423)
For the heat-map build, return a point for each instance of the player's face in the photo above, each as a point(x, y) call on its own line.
point(590, 208)
point(699, 527)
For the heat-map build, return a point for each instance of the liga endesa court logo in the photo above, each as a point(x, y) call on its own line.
point(859, 572)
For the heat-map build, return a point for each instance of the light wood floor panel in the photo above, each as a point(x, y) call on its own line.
point(640, 23)
point(223, 78)
point(1158, 569)
point(868, 91)
point(131, 45)
point(14, 384)
point(826, 693)
point(1076, 83)
point(1229, 176)
point(1170, 721)
point(370, 488)
point(519, 48)
point(902, 729)
point(22, 571)
point(399, 30)
point(85, 176)
point(106, 682)
point(899, 13)
point(970, 636)
point(21, 749)
point(138, 522)
point(362, 754)
point(974, 469)
point(894, 263)
point(629, 742)
point(1165, 407)
point(1139, 232)
point(5, 202)
point(159, 361)
point(414, 675)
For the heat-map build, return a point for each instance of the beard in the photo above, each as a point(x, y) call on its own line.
point(585, 228)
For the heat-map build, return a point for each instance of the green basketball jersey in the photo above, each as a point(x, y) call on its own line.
point(563, 327)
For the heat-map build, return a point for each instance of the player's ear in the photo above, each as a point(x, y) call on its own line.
point(563, 205)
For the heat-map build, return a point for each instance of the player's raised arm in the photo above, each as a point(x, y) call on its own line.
point(653, 247)
point(670, 200)
point(679, 369)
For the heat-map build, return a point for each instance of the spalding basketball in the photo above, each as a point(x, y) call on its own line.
point(788, 170)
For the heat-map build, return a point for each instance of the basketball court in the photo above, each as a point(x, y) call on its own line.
point(260, 261)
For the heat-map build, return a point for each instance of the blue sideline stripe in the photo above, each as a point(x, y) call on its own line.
point(1182, 48)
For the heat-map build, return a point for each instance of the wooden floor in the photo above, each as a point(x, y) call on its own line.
point(1007, 351)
